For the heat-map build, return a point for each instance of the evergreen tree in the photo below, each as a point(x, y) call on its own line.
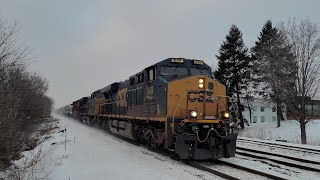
point(274, 67)
point(233, 65)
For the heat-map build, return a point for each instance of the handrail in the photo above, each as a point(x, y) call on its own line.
point(212, 129)
point(172, 104)
point(174, 114)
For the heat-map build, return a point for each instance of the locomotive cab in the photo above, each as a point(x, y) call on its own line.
point(197, 111)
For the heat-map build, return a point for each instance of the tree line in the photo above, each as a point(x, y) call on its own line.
point(283, 67)
point(24, 104)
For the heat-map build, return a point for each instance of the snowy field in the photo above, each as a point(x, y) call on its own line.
point(93, 154)
point(289, 131)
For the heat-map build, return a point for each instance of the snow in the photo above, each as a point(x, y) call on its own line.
point(94, 154)
point(288, 131)
point(91, 153)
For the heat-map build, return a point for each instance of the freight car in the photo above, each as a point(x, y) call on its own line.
point(173, 105)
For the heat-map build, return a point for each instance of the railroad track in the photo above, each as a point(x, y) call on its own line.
point(256, 155)
point(242, 152)
point(233, 171)
point(281, 159)
point(283, 146)
point(212, 171)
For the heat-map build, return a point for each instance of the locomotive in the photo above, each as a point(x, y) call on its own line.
point(172, 105)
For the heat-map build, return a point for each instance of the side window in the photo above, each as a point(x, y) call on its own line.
point(254, 108)
point(132, 81)
point(151, 74)
point(274, 118)
point(262, 119)
point(254, 119)
point(262, 109)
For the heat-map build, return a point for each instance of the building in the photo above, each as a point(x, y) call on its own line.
point(312, 109)
point(261, 111)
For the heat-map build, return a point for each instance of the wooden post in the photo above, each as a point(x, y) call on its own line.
point(65, 139)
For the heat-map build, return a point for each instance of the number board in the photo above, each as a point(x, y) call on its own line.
point(177, 60)
point(198, 62)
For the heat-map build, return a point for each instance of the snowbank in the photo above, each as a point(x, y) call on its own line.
point(289, 131)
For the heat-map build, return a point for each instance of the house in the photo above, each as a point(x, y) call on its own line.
point(312, 109)
point(261, 111)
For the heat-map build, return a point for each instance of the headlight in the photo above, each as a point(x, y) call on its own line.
point(201, 82)
point(226, 115)
point(193, 113)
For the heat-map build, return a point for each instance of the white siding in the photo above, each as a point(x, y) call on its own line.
point(267, 115)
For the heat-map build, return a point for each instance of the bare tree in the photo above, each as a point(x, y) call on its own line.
point(304, 37)
point(23, 100)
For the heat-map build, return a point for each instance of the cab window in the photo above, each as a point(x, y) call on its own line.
point(174, 71)
point(195, 71)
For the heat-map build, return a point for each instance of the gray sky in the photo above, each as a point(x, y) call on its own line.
point(83, 45)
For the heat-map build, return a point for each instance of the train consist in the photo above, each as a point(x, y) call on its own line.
point(173, 105)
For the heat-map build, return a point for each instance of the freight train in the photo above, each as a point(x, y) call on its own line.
point(172, 105)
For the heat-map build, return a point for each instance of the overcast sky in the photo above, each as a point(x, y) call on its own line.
point(84, 45)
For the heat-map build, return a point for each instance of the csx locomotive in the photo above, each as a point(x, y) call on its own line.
point(173, 105)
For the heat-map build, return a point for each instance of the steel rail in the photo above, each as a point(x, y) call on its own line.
point(280, 145)
point(212, 171)
point(279, 155)
point(271, 176)
point(279, 161)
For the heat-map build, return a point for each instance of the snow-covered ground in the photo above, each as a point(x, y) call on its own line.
point(289, 131)
point(93, 154)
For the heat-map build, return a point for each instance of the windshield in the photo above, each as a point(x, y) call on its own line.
point(195, 71)
point(174, 71)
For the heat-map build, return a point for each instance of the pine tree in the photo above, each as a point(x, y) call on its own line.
point(274, 67)
point(233, 65)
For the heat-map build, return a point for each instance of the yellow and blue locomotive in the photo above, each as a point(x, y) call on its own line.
point(174, 105)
